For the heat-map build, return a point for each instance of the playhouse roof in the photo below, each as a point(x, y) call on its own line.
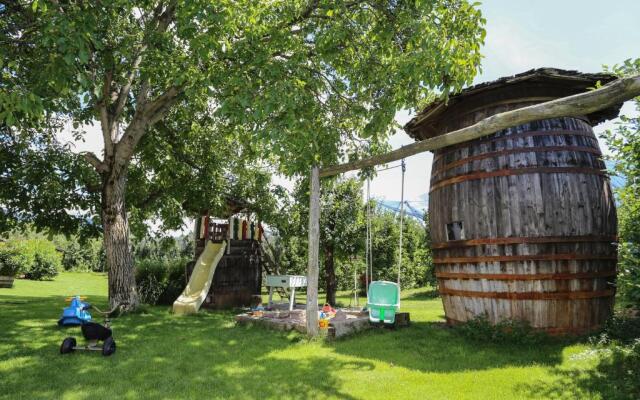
point(526, 88)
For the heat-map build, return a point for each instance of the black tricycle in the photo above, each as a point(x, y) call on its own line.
point(94, 333)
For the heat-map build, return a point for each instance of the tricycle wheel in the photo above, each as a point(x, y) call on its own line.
point(68, 345)
point(109, 346)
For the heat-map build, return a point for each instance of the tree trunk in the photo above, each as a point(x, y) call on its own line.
point(122, 284)
point(330, 275)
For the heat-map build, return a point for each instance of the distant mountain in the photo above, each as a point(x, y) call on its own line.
point(394, 206)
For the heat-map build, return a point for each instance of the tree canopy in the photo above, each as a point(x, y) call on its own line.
point(304, 77)
point(290, 82)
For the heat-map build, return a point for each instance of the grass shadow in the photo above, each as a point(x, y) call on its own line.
point(434, 347)
point(159, 356)
point(616, 376)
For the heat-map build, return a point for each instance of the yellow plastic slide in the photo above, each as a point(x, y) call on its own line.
point(198, 287)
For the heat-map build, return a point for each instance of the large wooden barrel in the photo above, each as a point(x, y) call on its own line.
point(523, 226)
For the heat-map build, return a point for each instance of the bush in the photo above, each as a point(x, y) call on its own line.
point(44, 267)
point(505, 331)
point(175, 281)
point(628, 281)
point(622, 370)
point(619, 365)
point(150, 289)
point(620, 328)
point(87, 256)
point(160, 281)
point(38, 258)
point(10, 261)
point(46, 261)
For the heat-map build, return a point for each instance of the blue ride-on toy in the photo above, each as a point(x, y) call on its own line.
point(76, 314)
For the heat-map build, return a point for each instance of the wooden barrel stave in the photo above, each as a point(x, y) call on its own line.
point(544, 195)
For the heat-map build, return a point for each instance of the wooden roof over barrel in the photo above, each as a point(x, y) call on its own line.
point(526, 88)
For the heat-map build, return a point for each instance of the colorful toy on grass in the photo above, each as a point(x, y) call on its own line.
point(327, 309)
point(323, 321)
point(94, 333)
point(76, 313)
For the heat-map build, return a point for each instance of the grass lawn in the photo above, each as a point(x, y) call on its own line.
point(206, 356)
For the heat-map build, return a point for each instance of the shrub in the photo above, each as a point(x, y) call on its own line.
point(505, 331)
point(160, 281)
point(619, 365)
point(628, 281)
point(150, 289)
point(620, 328)
point(10, 260)
point(86, 256)
point(47, 261)
point(175, 281)
point(39, 258)
point(622, 369)
point(44, 267)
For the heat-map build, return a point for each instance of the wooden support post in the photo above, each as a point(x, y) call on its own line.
point(314, 246)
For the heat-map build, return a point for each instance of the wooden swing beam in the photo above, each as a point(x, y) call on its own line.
point(611, 94)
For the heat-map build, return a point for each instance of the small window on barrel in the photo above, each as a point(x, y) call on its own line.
point(455, 231)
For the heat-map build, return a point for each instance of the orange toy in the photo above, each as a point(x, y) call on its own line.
point(327, 309)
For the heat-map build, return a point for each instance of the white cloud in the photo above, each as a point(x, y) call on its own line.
point(509, 49)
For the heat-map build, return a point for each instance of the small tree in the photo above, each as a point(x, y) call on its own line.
point(341, 228)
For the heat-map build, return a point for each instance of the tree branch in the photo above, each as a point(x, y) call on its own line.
point(160, 21)
point(92, 159)
point(126, 88)
point(609, 95)
point(157, 108)
point(144, 117)
point(105, 121)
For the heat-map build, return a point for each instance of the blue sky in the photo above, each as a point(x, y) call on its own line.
point(569, 34)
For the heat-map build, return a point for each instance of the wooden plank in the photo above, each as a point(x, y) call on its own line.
point(403, 319)
point(521, 240)
point(518, 150)
point(516, 171)
point(6, 281)
point(314, 246)
point(523, 257)
point(528, 134)
point(526, 277)
point(609, 95)
point(530, 295)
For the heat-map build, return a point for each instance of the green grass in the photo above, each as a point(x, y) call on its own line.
point(206, 356)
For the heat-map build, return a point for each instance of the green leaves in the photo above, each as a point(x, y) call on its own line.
point(624, 143)
point(41, 183)
point(290, 83)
